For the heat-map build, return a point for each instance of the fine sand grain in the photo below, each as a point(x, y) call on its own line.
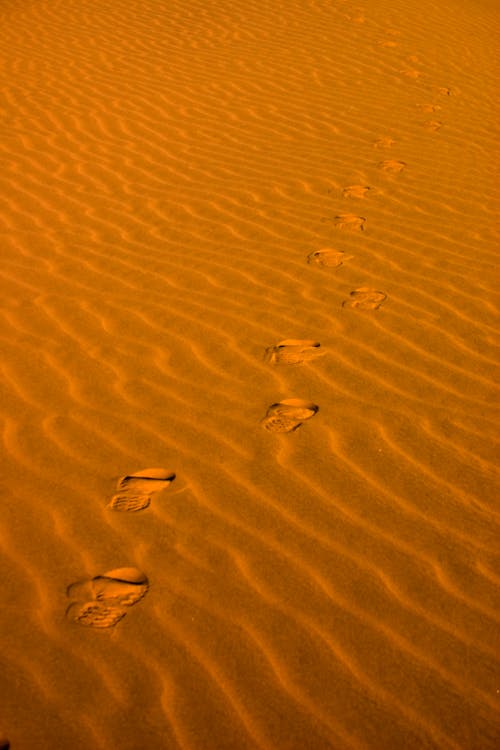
point(198, 199)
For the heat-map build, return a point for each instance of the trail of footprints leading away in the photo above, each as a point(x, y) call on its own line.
point(102, 601)
point(288, 415)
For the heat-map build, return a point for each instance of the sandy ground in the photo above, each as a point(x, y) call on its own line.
point(248, 357)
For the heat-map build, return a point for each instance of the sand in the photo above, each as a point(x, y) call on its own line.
point(248, 358)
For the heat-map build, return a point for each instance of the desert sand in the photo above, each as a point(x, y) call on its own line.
point(248, 356)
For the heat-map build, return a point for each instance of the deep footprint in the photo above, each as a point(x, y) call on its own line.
point(293, 352)
point(288, 415)
point(136, 490)
point(106, 597)
point(365, 298)
point(327, 257)
point(121, 586)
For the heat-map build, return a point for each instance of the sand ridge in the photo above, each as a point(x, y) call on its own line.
point(253, 243)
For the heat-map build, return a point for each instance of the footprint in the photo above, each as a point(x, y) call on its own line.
point(293, 352)
point(392, 165)
point(136, 490)
point(355, 191)
point(108, 597)
point(349, 221)
point(384, 142)
point(365, 298)
point(433, 125)
point(288, 415)
point(411, 73)
point(429, 107)
point(327, 257)
point(94, 614)
point(121, 587)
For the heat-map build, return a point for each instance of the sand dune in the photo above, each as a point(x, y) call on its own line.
point(253, 243)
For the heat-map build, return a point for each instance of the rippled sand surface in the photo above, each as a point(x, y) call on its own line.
point(247, 385)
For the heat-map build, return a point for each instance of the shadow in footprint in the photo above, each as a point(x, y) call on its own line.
point(288, 415)
point(365, 298)
point(103, 600)
point(136, 490)
point(293, 352)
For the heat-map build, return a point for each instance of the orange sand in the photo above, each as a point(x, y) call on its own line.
point(195, 194)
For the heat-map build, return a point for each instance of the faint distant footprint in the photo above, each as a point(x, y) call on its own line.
point(392, 166)
point(293, 352)
point(433, 125)
point(355, 191)
point(327, 257)
point(136, 490)
point(384, 142)
point(288, 415)
point(356, 19)
point(365, 298)
point(349, 221)
point(411, 73)
point(429, 107)
point(103, 600)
